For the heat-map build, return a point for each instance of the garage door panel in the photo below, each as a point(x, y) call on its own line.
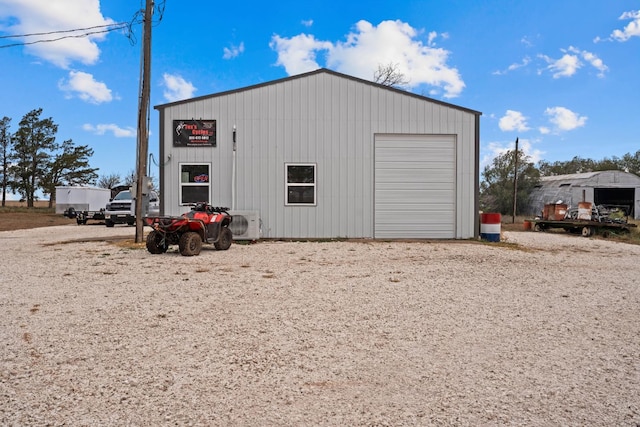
point(415, 186)
point(424, 197)
point(416, 232)
point(404, 155)
point(411, 218)
point(398, 155)
point(400, 176)
point(427, 184)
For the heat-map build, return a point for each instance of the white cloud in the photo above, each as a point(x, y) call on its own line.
point(177, 88)
point(431, 38)
point(298, 54)
point(307, 22)
point(41, 16)
point(525, 41)
point(631, 30)
point(513, 121)
point(85, 87)
point(525, 61)
point(116, 130)
point(495, 149)
point(369, 46)
point(233, 51)
point(569, 64)
point(564, 119)
point(566, 66)
point(595, 62)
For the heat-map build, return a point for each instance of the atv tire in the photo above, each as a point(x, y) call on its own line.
point(156, 243)
point(109, 223)
point(224, 241)
point(190, 244)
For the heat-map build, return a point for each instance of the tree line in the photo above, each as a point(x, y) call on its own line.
point(31, 160)
point(497, 184)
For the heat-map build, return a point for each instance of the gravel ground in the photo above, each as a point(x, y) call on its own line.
point(541, 330)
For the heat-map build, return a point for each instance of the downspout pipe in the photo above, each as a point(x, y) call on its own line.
point(233, 171)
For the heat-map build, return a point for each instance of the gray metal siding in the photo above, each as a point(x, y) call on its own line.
point(323, 119)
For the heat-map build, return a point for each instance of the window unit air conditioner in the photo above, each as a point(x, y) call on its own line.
point(245, 225)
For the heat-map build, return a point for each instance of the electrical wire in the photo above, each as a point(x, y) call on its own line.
point(62, 31)
point(61, 38)
point(137, 19)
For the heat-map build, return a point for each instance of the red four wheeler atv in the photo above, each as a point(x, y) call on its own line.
point(204, 223)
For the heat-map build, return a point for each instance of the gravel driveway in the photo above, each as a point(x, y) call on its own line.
point(541, 331)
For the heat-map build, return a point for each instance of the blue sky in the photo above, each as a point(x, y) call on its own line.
point(562, 76)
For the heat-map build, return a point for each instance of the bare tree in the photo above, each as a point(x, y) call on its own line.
point(390, 75)
point(131, 178)
point(109, 181)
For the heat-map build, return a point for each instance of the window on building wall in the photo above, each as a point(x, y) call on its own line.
point(301, 184)
point(195, 185)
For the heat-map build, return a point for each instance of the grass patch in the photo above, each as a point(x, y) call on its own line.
point(24, 209)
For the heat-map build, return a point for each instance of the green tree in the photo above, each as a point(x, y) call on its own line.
point(496, 188)
point(69, 167)
point(608, 164)
point(580, 165)
point(566, 167)
point(631, 163)
point(32, 143)
point(5, 151)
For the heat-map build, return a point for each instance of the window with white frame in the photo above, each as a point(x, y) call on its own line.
point(195, 185)
point(301, 184)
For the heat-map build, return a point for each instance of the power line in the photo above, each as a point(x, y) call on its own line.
point(138, 18)
point(119, 24)
point(76, 36)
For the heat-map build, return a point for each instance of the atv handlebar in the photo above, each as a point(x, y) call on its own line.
point(205, 207)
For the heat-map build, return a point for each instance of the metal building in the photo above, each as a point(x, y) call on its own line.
point(600, 188)
point(325, 155)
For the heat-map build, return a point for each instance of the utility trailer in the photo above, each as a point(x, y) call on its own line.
point(82, 203)
point(588, 220)
point(579, 226)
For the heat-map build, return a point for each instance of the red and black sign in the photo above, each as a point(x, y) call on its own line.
point(194, 133)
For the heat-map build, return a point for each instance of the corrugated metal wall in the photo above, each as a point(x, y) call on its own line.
point(574, 188)
point(321, 118)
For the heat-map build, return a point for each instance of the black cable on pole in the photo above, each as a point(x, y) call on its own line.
point(515, 182)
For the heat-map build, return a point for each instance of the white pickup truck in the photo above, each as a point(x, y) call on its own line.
point(121, 209)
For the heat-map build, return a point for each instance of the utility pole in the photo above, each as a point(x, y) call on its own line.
point(143, 111)
point(515, 183)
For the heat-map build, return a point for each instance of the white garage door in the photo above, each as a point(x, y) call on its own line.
point(415, 186)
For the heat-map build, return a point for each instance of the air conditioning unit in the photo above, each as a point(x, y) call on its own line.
point(245, 225)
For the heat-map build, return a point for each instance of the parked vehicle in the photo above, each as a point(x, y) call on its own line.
point(121, 209)
point(82, 203)
point(602, 219)
point(203, 224)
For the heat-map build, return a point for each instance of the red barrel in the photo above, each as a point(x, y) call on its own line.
point(490, 226)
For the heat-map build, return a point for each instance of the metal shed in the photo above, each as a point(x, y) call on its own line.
point(325, 155)
point(600, 188)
